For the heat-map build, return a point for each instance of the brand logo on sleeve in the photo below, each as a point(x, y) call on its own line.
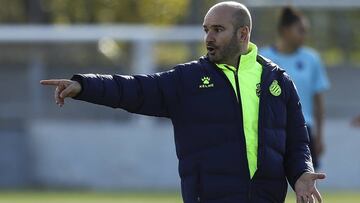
point(206, 82)
point(275, 88)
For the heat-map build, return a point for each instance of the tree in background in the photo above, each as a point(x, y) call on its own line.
point(100, 11)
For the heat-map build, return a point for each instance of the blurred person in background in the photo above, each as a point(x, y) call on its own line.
point(356, 121)
point(239, 129)
point(305, 68)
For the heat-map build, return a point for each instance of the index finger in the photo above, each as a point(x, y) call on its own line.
point(50, 82)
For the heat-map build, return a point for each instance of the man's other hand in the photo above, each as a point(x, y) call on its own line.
point(305, 188)
point(64, 88)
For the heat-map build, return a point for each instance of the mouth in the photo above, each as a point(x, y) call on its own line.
point(211, 50)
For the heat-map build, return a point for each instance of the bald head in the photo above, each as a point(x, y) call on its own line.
point(227, 27)
point(240, 15)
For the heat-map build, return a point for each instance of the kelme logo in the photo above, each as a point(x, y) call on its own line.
point(206, 82)
point(275, 88)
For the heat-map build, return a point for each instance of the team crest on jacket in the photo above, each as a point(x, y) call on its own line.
point(275, 88)
point(206, 82)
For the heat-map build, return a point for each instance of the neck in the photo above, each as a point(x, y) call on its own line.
point(234, 61)
point(285, 47)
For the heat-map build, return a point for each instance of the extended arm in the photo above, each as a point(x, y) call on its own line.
point(144, 94)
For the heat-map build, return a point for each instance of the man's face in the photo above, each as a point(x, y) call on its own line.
point(220, 37)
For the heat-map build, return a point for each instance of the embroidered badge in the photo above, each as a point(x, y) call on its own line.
point(275, 88)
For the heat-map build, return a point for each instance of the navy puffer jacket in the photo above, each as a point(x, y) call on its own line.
point(209, 135)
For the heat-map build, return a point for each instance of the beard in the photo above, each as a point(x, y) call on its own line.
point(224, 54)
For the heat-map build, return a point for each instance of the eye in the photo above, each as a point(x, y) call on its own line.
point(218, 29)
point(206, 30)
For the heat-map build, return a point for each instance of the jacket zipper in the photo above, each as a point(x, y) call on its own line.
point(238, 97)
point(236, 83)
point(236, 76)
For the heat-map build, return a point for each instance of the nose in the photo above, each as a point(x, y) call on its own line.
point(209, 37)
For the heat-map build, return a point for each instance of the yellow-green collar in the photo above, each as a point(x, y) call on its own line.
point(246, 61)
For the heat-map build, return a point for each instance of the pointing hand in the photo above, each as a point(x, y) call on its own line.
point(64, 88)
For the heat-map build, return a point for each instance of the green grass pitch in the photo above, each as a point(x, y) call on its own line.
point(133, 197)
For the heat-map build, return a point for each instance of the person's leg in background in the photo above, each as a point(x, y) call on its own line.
point(312, 150)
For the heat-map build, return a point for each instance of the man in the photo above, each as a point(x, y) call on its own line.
point(239, 129)
point(304, 66)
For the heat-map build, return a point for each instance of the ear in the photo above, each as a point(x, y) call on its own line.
point(243, 33)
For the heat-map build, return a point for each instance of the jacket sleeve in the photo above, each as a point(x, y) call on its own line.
point(151, 95)
point(297, 155)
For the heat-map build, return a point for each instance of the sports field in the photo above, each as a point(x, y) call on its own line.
point(89, 197)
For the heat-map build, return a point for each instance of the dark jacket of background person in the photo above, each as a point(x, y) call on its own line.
point(209, 135)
